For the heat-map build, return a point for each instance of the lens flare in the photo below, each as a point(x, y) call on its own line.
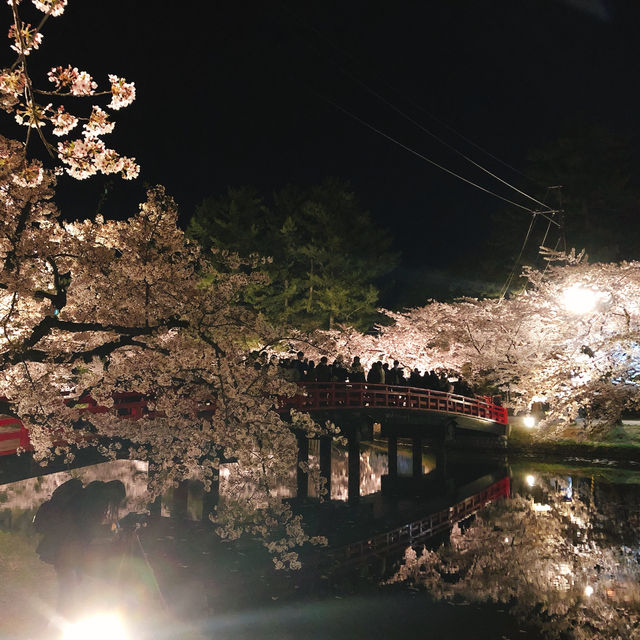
point(98, 627)
point(579, 299)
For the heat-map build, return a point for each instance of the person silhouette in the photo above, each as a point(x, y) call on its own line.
point(68, 522)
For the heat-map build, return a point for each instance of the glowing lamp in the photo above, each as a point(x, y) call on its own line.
point(588, 590)
point(579, 299)
point(99, 627)
point(531, 480)
point(529, 421)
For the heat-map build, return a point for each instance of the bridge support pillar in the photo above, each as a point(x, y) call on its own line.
point(179, 502)
point(155, 507)
point(417, 457)
point(354, 466)
point(325, 463)
point(303, 457)
point(210, 498)
point(392, 454)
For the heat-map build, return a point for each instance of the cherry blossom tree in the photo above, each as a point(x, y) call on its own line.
point(92, 308)
point(97, 307)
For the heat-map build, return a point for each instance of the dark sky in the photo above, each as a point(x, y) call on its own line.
point(233, 93)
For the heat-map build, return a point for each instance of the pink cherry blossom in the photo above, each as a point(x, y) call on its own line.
point(98, 123)
point(51, 7)
point(25, 39)
point(78, 83)
point(12, 85)
point(83, 85)
point(62, 121)
point(123, 93)
point(130, 170)
point(32, 115)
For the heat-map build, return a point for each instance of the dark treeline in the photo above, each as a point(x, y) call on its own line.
point(327, 255)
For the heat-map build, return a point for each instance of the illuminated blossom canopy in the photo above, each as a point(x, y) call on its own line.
point(97, 307)
point(570, 339)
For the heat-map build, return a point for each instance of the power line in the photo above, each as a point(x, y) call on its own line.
point(437, 137)
point(413, 121)
point(395, 89)
point(432, 162)
point(507, 284)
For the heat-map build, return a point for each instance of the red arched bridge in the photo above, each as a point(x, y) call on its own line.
point(382, 399)
point(379, 402)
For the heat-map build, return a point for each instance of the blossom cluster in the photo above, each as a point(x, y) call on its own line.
point(78, 83)
point(51, 7)
point(25, 38)
point(87, 156)
point(62, 121)
point(123, 93)
point(11, 87)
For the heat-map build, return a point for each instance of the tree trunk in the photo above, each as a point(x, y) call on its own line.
point(310, 298)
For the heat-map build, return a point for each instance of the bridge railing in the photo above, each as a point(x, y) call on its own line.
point(13, 435)
point(312, 396)
point(358, 395)
point(428, 526)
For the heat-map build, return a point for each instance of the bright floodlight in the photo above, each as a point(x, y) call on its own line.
point(99, 627)
point(579, 299)
point(529, 422)
point(531, 480)
point(588, 590)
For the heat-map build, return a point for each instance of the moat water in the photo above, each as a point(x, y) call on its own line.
point(553, 554)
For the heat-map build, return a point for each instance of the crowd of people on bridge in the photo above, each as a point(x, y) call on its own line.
point(301, 369)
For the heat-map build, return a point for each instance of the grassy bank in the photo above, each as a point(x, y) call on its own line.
point(621, 444)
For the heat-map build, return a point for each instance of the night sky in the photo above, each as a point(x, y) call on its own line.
point(240, 93)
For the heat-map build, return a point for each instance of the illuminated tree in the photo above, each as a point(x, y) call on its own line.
point(96, 307)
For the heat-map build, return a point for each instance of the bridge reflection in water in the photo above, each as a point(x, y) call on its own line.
point(373, 532)
point(420, 506)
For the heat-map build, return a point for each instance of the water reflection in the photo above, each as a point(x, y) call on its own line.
point(25, 496)
point(373, 466)
point(561, 553)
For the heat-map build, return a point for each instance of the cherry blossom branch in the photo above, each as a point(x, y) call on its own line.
point(85, 156)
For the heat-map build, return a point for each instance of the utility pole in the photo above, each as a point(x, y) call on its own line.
point(561, 221)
